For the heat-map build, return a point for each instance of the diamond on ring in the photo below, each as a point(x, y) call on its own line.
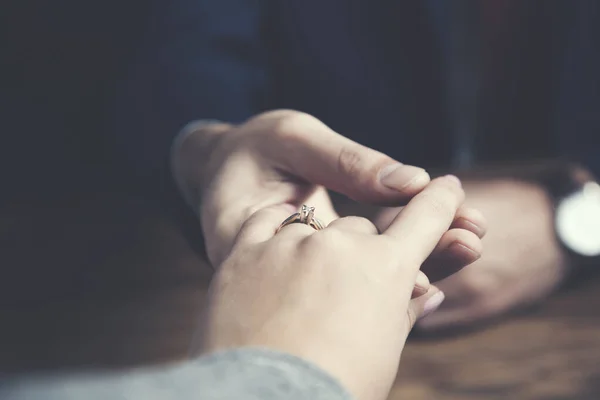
point(305, 216)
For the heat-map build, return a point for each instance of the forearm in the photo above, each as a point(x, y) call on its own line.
point(238, 374)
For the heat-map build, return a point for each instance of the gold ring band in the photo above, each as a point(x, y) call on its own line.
point(305, 216)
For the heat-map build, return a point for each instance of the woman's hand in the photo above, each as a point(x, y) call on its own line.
point(340, 297)
point(287, 158)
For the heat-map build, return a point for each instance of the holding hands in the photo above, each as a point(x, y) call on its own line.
point(344, 297)
point(285, 159)
point(339, 297)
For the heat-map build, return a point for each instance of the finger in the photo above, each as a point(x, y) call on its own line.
point(263, 225)
point(420, 225)
point(295, 231)
point(456, 249)
point(422, 285)
point(306, 148)
point(226, 211)
point(470, 219)
point(354, 224)
point(235, 194)
point(423, 306)
point(365, 226)
point(466, 218)
point(324, 210)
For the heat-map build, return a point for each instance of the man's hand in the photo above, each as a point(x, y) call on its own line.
point(281, 158)
point(522, 262)
point(285, 159)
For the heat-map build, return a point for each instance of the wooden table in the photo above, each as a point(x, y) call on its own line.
point(107, 282)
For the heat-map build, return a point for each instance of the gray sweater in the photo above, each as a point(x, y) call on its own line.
point(242, 374)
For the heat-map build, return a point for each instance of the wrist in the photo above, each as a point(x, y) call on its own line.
point(540, 200)
point(521, 216)
point(576, 197)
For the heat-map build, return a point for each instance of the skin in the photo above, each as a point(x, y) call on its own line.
point(287, 158)
point(523, 262)
point(340, 297)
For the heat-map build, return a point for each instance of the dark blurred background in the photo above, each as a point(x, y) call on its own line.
point(101, 265)
point(62, 63)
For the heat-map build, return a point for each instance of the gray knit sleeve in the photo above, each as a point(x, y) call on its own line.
point(242, 374)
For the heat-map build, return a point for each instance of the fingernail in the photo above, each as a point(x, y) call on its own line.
point(400, 176)
point(471, 226)
point(454, 179)
point(433, 304)
point(475, 255)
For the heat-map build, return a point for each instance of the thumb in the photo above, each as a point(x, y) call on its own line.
point(306, 148)
point(423, 306)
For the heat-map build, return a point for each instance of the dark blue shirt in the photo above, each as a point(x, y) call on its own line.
point(98, 91)
point(384, 73)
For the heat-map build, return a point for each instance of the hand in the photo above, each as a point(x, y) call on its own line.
point(522, 263)
point(340, 297)
point(459, 247)
point(282, 158)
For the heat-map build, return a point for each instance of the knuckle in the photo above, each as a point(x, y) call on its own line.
point(277, 114)
point(350, 163)
point(321, 249)
point(275, 125)
point(291, 124)
point(267, 117)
